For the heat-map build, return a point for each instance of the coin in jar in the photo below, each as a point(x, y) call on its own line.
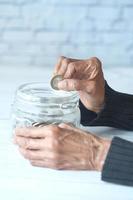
point(39, 124)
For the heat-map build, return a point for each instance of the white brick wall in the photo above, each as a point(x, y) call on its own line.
point(37, 32)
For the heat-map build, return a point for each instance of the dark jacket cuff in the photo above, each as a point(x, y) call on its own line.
point(118, 167)
point(117, 111)
point(87, 116)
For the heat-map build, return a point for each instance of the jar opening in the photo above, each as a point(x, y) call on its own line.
point(42, 93)
point(38, 102)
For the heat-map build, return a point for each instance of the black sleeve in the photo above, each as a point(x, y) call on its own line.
point(118, 167)
point(117, 111)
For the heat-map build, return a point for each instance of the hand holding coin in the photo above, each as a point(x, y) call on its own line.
point(84, 76)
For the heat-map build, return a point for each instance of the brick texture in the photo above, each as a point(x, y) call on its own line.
point(36, 32)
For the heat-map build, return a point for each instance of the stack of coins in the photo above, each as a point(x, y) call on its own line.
point(54, 84)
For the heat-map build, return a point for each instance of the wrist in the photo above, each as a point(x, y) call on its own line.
point(93, 105)
point(98, 149)
point(98, 100)
point(98, 109)
point(106, 147)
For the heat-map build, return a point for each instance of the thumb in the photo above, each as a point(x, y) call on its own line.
point(71, 84)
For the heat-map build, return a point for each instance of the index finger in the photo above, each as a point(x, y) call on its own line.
point(33, 132)
point(58, 65)
point(62, 64)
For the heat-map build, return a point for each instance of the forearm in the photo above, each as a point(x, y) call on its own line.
point(117, 111)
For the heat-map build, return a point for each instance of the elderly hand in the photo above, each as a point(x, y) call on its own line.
point(85, 76)
point(62, 147)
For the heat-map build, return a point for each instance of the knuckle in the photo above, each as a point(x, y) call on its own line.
point(26, 143)
point(61, 58)
point(54, 145)
point(55, 157)
point(28, 131)
point(66, 84)
point(75, 85)
point(97, 61)
point(54, 130)
point(64, 125)
point(71, 65)
point(25, 154)
point(56, 165)
point(41, 143)
point(29, 143)
point(28, 154)
point(65, 61)
point(84, 163)
point(33, 163)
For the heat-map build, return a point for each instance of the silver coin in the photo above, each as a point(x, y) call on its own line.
point(55, 80)
point(39, 124)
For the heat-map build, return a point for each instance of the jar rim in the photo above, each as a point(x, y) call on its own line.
point(41, 92)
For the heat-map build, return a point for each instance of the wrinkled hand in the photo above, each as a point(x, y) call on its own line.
point(85, 76)
point(62, 147)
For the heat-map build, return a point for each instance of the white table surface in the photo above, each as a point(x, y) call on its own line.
point(20, 181)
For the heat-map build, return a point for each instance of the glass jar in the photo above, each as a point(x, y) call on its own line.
point(39, 103)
